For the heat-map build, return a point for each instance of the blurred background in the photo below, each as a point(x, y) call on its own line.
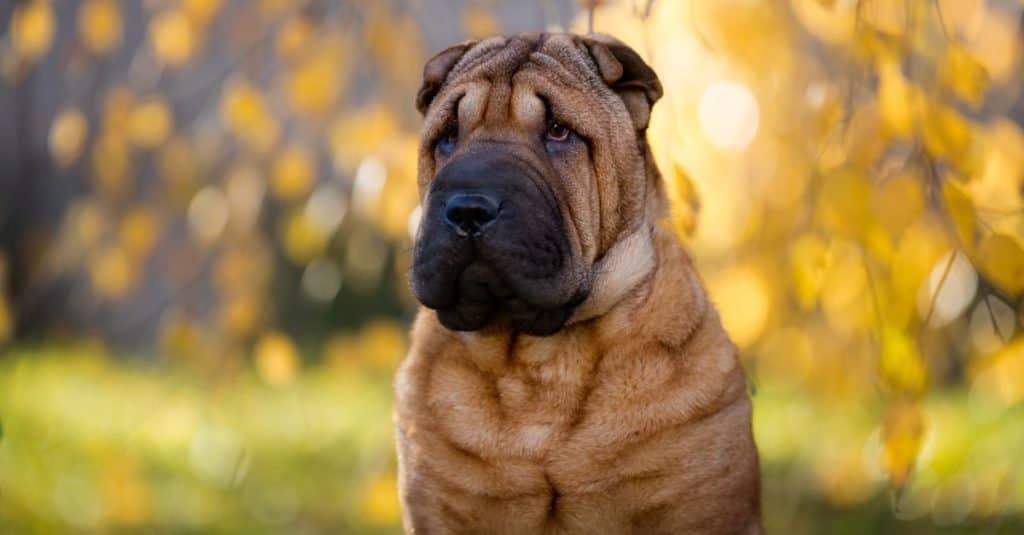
point(206, 210)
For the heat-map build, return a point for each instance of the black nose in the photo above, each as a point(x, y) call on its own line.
point(470, 213)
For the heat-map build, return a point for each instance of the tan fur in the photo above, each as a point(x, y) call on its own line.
point(634, 418)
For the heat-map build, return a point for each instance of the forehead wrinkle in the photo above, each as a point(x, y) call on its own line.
point(588, 119)
point(473, 105)
point(494, 57)
point(478, 54)
point(442, 114)
point(527, 107)
point(574, 57)
point(553, 69)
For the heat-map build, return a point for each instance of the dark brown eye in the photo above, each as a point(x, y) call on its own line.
point(557, 132)
point(446, 145)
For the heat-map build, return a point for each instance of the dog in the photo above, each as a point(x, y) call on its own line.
point(567, 372)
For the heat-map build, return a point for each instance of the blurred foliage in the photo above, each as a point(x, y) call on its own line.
point(241, 176)
point(226, 452)
point(238, 450)
point(858, 166)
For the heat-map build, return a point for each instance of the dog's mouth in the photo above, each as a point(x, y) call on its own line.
point(472, 285)
point(483, 298)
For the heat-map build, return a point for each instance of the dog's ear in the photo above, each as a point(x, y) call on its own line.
point(627, 74)
point(436, 71)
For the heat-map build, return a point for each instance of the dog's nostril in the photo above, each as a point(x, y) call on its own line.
point(470, 213)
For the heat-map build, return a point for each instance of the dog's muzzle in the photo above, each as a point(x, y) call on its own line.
point(492, 244)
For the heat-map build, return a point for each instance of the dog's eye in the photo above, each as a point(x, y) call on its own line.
point(557, 132)
point(446, 144)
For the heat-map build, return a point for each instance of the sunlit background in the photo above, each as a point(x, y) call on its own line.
point(206, 210)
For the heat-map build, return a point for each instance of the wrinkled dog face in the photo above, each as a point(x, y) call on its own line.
point(532, 164)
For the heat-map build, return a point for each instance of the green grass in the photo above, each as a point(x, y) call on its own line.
point(89, 445)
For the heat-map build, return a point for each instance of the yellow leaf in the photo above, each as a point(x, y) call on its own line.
point(112, 165)
point(843, 201)
point(1002, 375)
point(846, 295)
point(355, 136)
point(125, 492)
point(964, 75)
point(996, 184)
point(961, 211)
point(1002, 259)
point(946, 133)
point(273, 8)
point(863, 143)
point(885, 16)
point(240, 315)
point(995, 43)
point(809, 260)
point(900, 364)
point(902, 434)
point(293, 173)
point(312, 87)
point(200, 12)
point(380, 500)
point(898, 201)
point(86, 222)
point(247, 116)
point(32, 28)
point(401, 194)
point(112, 273)
point(170, 34)
point(243, 267)
point(277, 359)
point(479, 23)
point(685, 203)
point(150, 122)
point(961, 17)
point(382, 343)
point(874, 43)
point(139, 231)
point(833, 23)
point(99, 23)
point(118, 104)
point(917, 251)
point(744, 302)
point(67, 136)
point(896, 100)
point(179, 166)
point(295, 37)
point(303, 240)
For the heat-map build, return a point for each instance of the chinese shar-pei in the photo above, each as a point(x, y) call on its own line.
point(568, 373)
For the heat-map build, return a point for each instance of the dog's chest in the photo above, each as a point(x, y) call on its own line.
point(545, 387)
point(542, 386)
point(554, 405)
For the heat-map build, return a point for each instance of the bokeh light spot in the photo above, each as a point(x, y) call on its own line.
point(321, 280)
point(729, 115)
point(948, 298)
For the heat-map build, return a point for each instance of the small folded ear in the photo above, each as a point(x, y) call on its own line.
point(627, 74)
point(436, 71)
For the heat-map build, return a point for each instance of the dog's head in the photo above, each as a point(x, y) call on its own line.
point(533, 165)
